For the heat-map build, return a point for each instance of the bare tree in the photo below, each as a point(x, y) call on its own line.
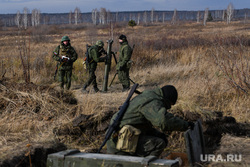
point(103, 16)
point(94, 16)
point(145, 17)
point(35, 17)
point(116, 17)
point(230, 11)
point(217, 14)
point(70, 17)
point(152, 15)
point(18, 19)
point(109, 17)
point(25, 17)
point(205, 16)
point(198, 17)
point(24, 53)
point(174, 18)
point(138, 18)
point(77, 15)
point(157, 18)
point(163, 17)
point(224, 14)
point(38, 17)
point(245, 18)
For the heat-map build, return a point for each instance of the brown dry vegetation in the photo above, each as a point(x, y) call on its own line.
point(209, 65)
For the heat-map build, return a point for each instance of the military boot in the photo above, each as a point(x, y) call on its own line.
point(125, 88)
point(96, 89)
point(84, 89)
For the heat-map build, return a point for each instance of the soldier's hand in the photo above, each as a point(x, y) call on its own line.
point(65, 59)
point(191, 125)
point(121, 68)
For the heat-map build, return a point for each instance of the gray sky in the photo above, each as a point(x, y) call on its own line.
point(65, 6)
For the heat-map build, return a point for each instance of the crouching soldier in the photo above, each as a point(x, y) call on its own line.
point(65, 55)
point(137, 134)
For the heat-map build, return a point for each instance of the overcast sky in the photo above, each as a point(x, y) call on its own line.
point(65, 6)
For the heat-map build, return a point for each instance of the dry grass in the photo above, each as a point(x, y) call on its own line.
point(182, 55)
point(235, 146)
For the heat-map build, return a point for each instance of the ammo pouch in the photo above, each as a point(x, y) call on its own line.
point(128, 138)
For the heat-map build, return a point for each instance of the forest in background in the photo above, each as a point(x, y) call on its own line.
point(104, 16)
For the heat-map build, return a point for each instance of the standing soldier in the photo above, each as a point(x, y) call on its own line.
point(124, 63)
point(95, 53)
point(66, 55)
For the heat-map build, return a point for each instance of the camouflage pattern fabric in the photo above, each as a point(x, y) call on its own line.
point(65, 67)
point(147, 112)
point(94, 58)
point(122, 68)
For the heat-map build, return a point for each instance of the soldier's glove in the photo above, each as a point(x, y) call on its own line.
point(103, 51)
point(191, 125)
point(65, 59)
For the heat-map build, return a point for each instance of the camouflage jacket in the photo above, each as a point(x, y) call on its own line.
point(94, 57)
point(125, 53)
point(68, 51)
point(149, 110)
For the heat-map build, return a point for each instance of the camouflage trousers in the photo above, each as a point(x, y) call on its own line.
point(91, 79)
point(65, 78)
point(123, 76)
point(147, 145)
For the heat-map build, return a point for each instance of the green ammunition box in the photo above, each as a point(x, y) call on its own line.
point(75, 158)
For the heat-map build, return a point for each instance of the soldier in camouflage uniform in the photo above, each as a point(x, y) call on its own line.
point(123, 64)
point(147, 112)
point(95, 53)
point(65, 55)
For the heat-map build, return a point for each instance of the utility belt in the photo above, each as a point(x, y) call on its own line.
point(128, 139)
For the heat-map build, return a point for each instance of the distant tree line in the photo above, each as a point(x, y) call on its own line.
point(103, 16)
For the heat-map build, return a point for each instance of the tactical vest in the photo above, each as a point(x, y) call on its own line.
point(64, 51)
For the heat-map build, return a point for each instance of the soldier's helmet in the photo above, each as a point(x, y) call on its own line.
point(65, 38)
point(100, 43)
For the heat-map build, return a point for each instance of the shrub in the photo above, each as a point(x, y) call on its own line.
point(132, 23)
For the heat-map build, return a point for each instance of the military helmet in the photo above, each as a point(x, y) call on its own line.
point(65, 38)
point(99, 43)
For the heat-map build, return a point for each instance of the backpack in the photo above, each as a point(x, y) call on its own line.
point(86, 60)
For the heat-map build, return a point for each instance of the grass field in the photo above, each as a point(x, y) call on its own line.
point(209, 66)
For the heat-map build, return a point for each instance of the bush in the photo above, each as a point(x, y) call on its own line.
point(132, 23)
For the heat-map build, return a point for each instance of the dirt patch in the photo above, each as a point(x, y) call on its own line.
point(91, 128)
point(86, 130)
point(37, 156)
